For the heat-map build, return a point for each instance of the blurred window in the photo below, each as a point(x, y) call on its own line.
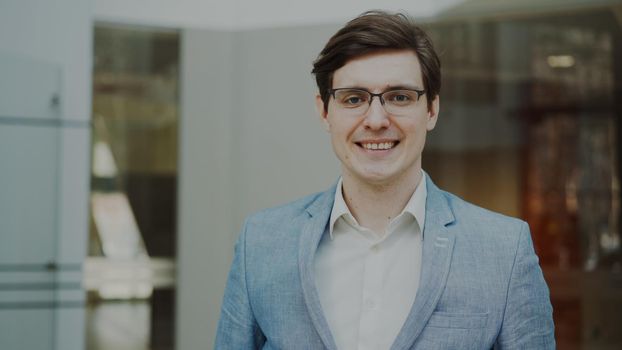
point(530, 127)
point(129, 272)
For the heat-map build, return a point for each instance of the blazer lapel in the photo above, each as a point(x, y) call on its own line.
point(438, 245)
point(312, 232)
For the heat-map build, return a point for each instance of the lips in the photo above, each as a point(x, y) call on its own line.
point(377, 145)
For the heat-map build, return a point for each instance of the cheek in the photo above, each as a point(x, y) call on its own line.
point(416, 134)
point(341, 146)
point(338, 141)
point(341, 132)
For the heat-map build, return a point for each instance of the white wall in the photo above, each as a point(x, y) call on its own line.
point(206, 183)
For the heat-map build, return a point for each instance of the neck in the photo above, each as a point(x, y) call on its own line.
point(374, 205)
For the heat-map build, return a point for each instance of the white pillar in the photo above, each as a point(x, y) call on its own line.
point(205, 231)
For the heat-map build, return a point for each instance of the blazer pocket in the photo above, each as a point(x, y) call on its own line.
point(442, 319)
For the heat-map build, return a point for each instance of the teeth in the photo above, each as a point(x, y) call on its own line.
point(382, 145)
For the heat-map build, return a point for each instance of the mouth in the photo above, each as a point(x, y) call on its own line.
point(377, 145)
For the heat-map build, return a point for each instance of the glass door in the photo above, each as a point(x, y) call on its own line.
point(29, 156)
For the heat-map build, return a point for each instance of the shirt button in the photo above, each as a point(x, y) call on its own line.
point(375, 249)
point(370, 304)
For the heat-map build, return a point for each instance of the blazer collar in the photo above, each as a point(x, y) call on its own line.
point(312, 231)
point(438, 244)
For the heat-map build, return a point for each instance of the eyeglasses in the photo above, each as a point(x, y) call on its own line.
point(357, 101)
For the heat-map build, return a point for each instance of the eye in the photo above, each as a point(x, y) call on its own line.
point(351, 98)
point(400, 97)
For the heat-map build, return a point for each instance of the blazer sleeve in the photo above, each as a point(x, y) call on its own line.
point(237, 327)
point(528, 317)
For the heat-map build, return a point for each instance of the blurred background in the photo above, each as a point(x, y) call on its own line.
point(136, 135)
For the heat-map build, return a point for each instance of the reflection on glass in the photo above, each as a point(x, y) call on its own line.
point(531, 110)
point(130, 269)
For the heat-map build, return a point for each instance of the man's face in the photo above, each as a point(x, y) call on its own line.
point(354, 137)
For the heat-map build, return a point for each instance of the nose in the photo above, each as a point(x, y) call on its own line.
point(376, 118)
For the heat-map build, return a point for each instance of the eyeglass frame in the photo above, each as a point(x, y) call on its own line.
point(419, 93)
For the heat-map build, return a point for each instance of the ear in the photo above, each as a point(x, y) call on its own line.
point(433, 110)
point(319, 106)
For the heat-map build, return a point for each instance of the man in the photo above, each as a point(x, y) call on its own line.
point(383, 259)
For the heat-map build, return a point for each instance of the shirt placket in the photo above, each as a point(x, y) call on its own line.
point(371, 298)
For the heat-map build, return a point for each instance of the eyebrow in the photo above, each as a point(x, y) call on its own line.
point(403, 87)
point(389, 88)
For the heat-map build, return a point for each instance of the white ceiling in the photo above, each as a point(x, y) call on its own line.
point(249, 14)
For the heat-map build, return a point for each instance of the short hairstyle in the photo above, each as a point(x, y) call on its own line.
point(375, 31)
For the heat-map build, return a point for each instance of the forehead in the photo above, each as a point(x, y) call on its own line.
point(380, 70)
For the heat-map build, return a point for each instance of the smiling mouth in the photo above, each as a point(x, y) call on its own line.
point(378, 146)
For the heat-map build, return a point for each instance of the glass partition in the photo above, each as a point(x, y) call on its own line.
point(30, 130)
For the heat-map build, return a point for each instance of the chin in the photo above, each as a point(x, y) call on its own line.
point(376, 178)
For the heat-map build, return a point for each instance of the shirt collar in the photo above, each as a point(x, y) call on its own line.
point(415, 205)
point(339, 207)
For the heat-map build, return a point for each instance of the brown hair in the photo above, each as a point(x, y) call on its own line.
point(375, 31)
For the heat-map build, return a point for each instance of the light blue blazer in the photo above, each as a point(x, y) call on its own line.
point(481, 286)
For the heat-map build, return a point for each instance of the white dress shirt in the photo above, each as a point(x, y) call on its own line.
point(367, 282)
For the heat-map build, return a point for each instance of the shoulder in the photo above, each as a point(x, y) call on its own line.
point(285, 221)
point(484, 226)
point(277, 229)
point(466, 216)
point(467, 211)
point(283, 212)
point(487, 239)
